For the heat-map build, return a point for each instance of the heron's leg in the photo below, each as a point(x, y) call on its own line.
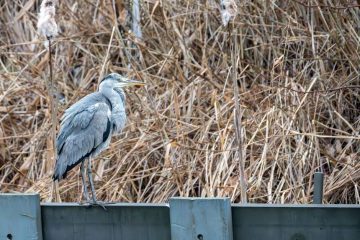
point(94, 202)
point(82, 170)
point(91, 181)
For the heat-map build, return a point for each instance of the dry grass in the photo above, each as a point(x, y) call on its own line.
point(298, 77)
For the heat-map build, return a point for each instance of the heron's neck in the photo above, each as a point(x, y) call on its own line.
point(117, 100)
point(116, 97)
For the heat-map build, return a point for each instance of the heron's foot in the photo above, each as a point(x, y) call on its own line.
point(90, 203)
point(86, 203)
point(95, 203)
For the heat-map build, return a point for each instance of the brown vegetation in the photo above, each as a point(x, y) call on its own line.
point(297, 68)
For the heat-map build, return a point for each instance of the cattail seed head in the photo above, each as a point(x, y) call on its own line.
point(46, 22)
point(228, 10)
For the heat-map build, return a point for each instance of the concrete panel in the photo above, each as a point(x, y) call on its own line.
point(200, 219)
point(20, 217)
point(72, 221)
point(296, 222)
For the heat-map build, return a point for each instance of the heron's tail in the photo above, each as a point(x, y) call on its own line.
point(57, 175)
point(65, 164)
point(59, 172)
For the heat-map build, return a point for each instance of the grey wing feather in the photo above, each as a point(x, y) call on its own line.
point(79, 114)
point(84, 128)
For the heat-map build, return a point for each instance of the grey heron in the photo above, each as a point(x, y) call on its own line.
point(87, 127)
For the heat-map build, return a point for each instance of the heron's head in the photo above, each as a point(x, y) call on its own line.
point(115, 80)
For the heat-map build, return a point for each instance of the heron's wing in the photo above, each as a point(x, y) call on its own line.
point(85, 126)
point(78, 115)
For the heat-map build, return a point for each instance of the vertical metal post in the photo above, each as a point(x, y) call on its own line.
point(318, 187)
point(201, 219)
point(20, 216)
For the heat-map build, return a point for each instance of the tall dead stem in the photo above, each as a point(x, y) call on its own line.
point(54, 110)
point(237, 112)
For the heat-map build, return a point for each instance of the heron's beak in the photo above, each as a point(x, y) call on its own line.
point(133, 83)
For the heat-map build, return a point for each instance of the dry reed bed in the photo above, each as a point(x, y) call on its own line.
point(298, 76)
